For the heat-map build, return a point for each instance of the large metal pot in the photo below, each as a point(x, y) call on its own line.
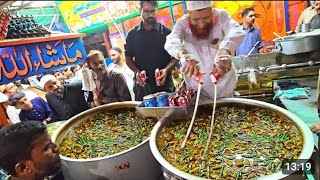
point(306, 152)
point(136, 163)
point(298, 43)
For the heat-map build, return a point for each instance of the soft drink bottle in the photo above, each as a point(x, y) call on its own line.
point(157, 76)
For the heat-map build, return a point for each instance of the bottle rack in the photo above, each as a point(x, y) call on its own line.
point(25, 27)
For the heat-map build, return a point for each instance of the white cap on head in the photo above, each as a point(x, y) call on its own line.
point(45, 79)
point(3, 98)
point(197, 5)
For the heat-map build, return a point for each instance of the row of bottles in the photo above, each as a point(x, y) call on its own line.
point(14, 27)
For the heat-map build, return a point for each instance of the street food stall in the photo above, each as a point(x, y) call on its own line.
point(256, 135)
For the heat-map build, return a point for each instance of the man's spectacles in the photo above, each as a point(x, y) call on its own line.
point(149, 11)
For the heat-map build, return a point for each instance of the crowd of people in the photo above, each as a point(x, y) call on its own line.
point(197, 43)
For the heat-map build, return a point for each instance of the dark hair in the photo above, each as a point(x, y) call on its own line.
point(81, 63)
point(16, 142)
point(13, 98)
point(246, 11)
point(176, 64)
point(73, 67)
point(116, 49)
point(56, 71)
point(66, 69)
point(153, 3)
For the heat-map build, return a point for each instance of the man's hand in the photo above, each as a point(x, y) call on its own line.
point(47, 121)
point(190, 67)
point(163, 76)
point(290, 33)
point(223, 61)
point(140, 81)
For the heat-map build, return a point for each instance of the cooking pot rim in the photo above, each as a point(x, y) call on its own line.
point(303, 128)
point(111, 106)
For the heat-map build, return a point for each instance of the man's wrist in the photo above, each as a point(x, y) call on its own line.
point(136, 72)
point(225, 50)
point(181, 53)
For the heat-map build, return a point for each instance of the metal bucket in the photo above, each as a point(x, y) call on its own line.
point(175, 173)
point(136, 163)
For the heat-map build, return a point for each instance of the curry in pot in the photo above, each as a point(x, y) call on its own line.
point(247, 143)
point(106, 134)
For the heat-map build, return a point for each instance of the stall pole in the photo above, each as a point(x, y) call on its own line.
point(53, 20)
point(114, 23)
point(286, 12)
point(106, 42)
point(171, 12)
point(123, 30)
point(184, 7)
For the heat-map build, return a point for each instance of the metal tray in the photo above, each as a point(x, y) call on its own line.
point(174, 112)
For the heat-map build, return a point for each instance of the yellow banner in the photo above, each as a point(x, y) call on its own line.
point(80, 15)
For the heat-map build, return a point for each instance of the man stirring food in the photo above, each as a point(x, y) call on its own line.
point(205, 38)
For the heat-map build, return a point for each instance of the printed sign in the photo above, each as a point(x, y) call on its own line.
point(22, 61)
point(80, 15)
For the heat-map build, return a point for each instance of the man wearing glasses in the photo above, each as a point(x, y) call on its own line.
point(252, 37)
point(145, 51)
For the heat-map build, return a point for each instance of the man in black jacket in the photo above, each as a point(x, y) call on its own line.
point(65, 101)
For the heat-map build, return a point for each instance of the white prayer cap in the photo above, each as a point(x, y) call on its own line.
point(197, 5)
point(3, 98)
point(45, 79)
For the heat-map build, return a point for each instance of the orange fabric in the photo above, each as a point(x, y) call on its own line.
point(4, 121)
point(295, 10)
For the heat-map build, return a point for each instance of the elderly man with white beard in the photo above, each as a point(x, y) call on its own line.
point(199, 39)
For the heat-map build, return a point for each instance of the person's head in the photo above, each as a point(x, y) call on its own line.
point(51, 85)
point(27, 151)
point(201, 18)
point(248, 16)
point(20, 101)
point(67, 73)
point(148, 10)
point(316, 5)
point(176, 69)
point(96, 62)
point(75, 68)
point(115, 54)
point(9, 89)
point(58, 75)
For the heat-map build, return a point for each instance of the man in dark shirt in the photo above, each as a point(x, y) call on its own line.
point(315, 20)
point(145, 51)
point(65, 101)
point(111, 86)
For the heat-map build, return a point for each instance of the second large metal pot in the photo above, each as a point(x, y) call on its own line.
point(175, 173)
point(298, 43)
point(136, 163)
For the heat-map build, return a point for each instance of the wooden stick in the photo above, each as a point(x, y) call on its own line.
point(278, 35)
point(193, 117)
point(212, 118)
